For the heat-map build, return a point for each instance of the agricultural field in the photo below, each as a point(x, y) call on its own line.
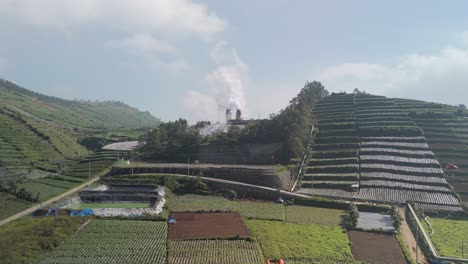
point(376, 248)
point(301, 242)
point(333, 167)
point(114, 241)
point(214, 252)
point(10, 205)
point(110, 205)
point(248, 209)
point(208, 225)
point(447, 236)
point(369, 221)
point(314, 215)
point(27, 240)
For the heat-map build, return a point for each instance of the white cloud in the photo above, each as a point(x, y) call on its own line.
point(441, 77)
point(174, 66)
point(181, 17)
point(464, 37)
point(200, 107)
point(143, 42)
point(3, 66)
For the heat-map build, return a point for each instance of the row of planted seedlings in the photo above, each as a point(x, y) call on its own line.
point(396, 162)
point(333, 167)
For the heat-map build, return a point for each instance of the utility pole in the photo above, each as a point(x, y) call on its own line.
point(89, 169)
point(463, 253)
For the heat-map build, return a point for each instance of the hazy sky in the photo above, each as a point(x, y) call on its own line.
point(184, 58)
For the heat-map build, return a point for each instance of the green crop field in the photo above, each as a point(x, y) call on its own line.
point(114, 241)
point(110, 205)
point(248, 209)
point(214, 251)
point(313, 215)
point(448, 236)
point(9, 205)
point(26, 240)
point(323, 244)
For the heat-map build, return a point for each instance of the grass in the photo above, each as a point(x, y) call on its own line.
point(313, 215)
point(114, 241)
point(248, 209)
point(448, 235)
point(26, 240)
point(110, 205)
point(9, 205)
point(320, 243)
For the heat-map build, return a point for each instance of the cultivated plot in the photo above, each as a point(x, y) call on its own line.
point(376, 248)
point(448, 236)
point(313, 215)
point(207, 225)
point(114, 241)
point(369, 221)
point(320, 243)
point(214, 252)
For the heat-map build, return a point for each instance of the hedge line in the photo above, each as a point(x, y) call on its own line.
point(350, 169)
point(334, 154)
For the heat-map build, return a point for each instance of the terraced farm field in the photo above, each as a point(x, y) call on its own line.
point(376, 248)
point(114, 241)
point(214, 252)
point(369, 148)
point(10, 205)
point(248, 209)
point(301, 242)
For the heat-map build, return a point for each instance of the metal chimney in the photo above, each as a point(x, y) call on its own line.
point(228, 115)
point(238, 114)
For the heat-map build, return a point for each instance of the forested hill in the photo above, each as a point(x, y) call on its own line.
point(38, 131)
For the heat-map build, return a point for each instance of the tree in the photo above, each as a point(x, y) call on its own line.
point(352, 217)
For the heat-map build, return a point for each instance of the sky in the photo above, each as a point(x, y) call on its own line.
point(193, 59)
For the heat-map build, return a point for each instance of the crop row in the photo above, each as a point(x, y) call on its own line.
point(383, 158)
point(404, 185)
point(396, 139)
point(399, 152)
point(403, 178)
point(328, 192)
point(401, 196)
point(438, 207)
point(369, 167)
point(395, 144)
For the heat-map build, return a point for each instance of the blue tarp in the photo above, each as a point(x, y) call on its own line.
point(84, 212)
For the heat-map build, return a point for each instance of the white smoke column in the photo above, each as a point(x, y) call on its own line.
point(229, 79)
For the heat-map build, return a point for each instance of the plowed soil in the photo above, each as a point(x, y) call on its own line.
point(207, 225)
point(375, 248)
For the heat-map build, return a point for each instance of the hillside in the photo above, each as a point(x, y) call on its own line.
point(389, 150)
point(41, 133)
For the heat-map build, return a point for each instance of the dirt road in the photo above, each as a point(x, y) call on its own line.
point(409, 240)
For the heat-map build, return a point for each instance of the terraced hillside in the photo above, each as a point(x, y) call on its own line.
point(334, 166)
point(39, 134)
point(369, 148)
point(446, 130)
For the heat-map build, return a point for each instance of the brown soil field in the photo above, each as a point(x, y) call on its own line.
point(207, 225)
point(376, 248)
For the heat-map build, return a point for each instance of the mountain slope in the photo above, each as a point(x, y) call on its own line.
point(39, 133)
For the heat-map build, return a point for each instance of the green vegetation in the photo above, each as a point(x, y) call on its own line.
point(26, 240)
point(314, 215)
point(110, 205)
point(322, 244)
point(214, 251)
point(448, 236)
point(10, 205)
point(352, 216)
point(248, 209)
point(114, 241)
